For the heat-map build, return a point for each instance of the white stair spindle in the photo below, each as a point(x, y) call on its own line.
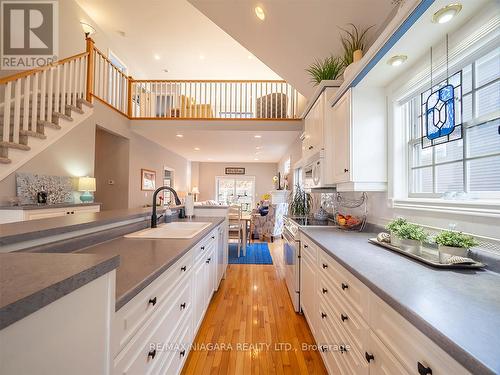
point(57, 88)
point(17, 111)
point(26, 103)
point(70, 85)
point(43, 98)
point(50, 89)
point(63, 86)
point(34, 104)
point(6, 112)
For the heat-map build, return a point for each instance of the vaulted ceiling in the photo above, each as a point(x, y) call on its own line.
point(294, 32)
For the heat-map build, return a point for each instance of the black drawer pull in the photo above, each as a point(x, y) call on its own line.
point(311, 147)
point(203, 247)
point(67, 213)
point(182, 353)
point(346, 170)
point(208, 260)
point(324, 291)
point(369, 357)
point(344, 286)
point(152, 301)
point(183, 268)
point(183, 305)
point(305, 246)
point(152, 354)
point(323, 315)
point(213, 237)
point(325, 265)
point(422, 370)
point(343, 317)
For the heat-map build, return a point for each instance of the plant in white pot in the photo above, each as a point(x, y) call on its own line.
point(411, 237)
point(393, 227)
point(353, 42)
point(454, 243)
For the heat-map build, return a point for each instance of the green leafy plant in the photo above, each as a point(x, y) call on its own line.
point(352, 40)
point(455, 239)
point(300, 202)
point(394, 225)
point(329, 68)
point(408, 231)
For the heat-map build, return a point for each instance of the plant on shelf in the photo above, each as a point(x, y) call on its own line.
point(353, 42)
point(455, 243)
point(300, 202)
point(327, 69)
point(409, 237)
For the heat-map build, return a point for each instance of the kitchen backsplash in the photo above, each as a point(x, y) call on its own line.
point(59, 188)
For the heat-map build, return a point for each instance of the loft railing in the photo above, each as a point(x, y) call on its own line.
point(31, 97)
point(34, 95)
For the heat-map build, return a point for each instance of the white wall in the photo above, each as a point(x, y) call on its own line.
point(263, 172)
point(294, 152)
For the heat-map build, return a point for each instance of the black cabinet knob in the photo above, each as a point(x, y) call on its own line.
point(346, 170)
point(182, 353)
point(213, 237)
point(152, 354)
point(325, 265)
point(344, 286)
point(203, 247)
point(423, 370)
point(67, 213)
point(343, 317)
point(183, 305)
point(183, 268)
point(369, 357)
point(323, 315)
point(324, 291)
point(208, 260)
point(305, 246)
point(152, 301)
point(311, 147)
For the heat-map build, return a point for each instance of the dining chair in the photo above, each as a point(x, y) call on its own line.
point(235, 225)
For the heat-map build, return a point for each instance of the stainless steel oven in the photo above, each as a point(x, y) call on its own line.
point(291, 256)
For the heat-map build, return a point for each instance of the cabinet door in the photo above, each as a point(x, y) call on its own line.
point(200, 292)
point(44, 214)
point(383, 361)
point(211, 264)
point(308, 130)
point(342, 139)
point(308, 292)
point(317, 135)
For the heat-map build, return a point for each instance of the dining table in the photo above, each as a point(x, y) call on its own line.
point(246, 218)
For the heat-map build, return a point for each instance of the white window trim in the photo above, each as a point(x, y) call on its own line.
point(241, 177)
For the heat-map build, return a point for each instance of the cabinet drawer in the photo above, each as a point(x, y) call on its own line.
point(130, 318)
point(138, 357)
point(351, 360)
point(179, 352)
point(407, 343)
point(309, 251)
point(202, 247)
point(383, 362)
point(349, 287)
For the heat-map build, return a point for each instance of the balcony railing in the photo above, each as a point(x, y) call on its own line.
point(189, 99)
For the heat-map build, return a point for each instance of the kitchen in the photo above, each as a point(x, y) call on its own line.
point(388, 261)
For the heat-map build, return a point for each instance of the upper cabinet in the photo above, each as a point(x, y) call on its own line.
point(357, 153)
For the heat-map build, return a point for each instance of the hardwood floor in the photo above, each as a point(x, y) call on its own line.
point(253, 317)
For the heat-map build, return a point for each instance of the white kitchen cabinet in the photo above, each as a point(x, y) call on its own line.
point(359, 155)
point(221, 254)
point(345, 311)
point(14, 215)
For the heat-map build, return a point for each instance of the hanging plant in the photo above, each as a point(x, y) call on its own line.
point(327, 69)
point(353, 40)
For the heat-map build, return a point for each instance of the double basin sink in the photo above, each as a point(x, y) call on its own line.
point(177, 230)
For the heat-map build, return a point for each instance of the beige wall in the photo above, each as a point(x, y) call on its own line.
point(263, 173)
point(294, 152)
point(111, 169)
point(73, 155)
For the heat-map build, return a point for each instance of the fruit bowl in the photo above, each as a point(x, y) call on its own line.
point(349, 222)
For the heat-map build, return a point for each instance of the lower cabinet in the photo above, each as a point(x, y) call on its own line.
point(12, 215)
point(358, 333)
point(153, 333)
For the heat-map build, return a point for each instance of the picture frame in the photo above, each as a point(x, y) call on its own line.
point(234, 170)
point(148, 180)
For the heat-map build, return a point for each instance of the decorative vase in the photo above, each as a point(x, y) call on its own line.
point(357, 55)
point(411, 246)
point(348, 71)
point(446, 252)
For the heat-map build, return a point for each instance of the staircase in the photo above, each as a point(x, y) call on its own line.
point(39, 107)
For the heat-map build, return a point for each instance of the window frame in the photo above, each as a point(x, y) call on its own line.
point(412, 112)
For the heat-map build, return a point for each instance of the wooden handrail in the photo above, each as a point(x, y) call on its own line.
point(26, 73)
point(207, 81)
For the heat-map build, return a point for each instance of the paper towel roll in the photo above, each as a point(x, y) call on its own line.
point(189, 205)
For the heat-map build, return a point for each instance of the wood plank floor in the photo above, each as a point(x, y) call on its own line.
point(252, 307)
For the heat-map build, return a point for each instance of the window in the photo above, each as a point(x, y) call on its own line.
point(286, 166)
point(468, 167)
point(236, 190)
point(168, 180)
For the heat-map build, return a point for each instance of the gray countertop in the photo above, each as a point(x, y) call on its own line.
point(458, 309)
point(143, 260)
point(48, 206)
point(29, 281)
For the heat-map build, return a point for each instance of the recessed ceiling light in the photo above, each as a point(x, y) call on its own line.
point(250, 57)
point(156, 56)
point(210, 159)
point(397, 60)
point(256, 159)
point(202, 57)
point(259, 12)
point(446, 13)
point(165, 70)
point(258, 147)
point(179, 135)
point(257, 136)
point(197, 149)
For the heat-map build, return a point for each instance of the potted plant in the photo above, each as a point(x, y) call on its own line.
point(353, 42)
point(392, 227)
point(300, 202)
point(411, 237)
point(454, 243)
point(329, 68)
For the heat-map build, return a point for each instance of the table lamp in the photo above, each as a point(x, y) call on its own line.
point(195, 192)
point(87, 185)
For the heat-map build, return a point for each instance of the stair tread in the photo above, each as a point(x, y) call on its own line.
point(85, 102)
point(49, 124)
point(74, 108)
point(62, 115)
point(5, 160)
point(15, 145)
point(31, 133)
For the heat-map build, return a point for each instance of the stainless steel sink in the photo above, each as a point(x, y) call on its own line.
point(172, 230)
